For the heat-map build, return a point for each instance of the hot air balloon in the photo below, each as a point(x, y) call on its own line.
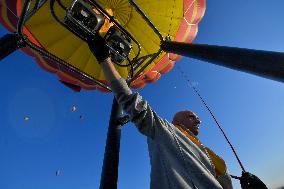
point(73, 108)
point(151, 37)
point(177, 20)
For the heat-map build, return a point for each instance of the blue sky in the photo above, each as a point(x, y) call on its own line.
point(249, 108)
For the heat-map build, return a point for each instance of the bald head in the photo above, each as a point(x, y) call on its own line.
point(188, 120)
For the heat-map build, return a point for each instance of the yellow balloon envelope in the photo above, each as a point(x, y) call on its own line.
point(177, 19)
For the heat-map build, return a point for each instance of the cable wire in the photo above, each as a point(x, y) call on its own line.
point(212, 115)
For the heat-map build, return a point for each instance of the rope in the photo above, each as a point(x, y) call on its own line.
point(213, 116)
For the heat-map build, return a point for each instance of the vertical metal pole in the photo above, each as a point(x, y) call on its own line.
point(109, 176)
point(9, 43)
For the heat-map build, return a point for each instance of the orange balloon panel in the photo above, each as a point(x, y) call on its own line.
point(177, 19)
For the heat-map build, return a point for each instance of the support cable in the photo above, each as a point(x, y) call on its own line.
point(212, 115)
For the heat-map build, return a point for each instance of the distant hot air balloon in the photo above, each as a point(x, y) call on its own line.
point(73, 109)
point(175, 19)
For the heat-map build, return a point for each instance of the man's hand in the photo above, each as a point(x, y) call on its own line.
point(250, 181)
point(99, 48)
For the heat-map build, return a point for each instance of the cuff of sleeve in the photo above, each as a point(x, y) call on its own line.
point(120, 86)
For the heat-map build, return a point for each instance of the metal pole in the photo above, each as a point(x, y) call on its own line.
point(9, 43)
point(109, 174)
point(266, 64)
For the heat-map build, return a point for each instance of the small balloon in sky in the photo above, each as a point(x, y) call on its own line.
point(26, 118)
point(58, 172)
point(81, 116)
point(73, 109)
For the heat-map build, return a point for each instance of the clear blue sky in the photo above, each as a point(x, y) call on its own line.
point(250, 109)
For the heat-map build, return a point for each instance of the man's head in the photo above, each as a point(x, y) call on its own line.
point(188, 120)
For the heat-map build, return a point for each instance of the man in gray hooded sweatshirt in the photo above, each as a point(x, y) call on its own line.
point(178, 159)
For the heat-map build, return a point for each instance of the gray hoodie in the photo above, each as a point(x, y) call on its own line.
point(176, 162)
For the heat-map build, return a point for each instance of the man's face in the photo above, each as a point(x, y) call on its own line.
point(191, 122)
